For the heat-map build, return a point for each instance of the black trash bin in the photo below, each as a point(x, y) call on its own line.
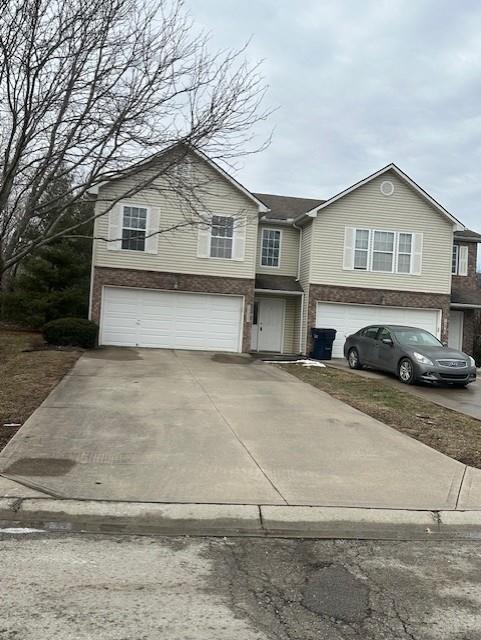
point(322, 340)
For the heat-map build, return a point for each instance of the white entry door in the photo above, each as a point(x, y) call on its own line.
point(455, 339)
point(270, 324)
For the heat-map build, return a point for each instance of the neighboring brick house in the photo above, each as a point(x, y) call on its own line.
point(264, 269)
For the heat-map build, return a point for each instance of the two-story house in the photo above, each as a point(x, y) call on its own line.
point(261, 270)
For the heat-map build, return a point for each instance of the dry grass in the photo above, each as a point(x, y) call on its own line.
point(449, 432)
point(27, 377)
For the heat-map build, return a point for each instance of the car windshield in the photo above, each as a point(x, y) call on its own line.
point(416, 338)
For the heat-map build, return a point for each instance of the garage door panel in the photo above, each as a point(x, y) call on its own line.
point(347, 319)
point(146, 318)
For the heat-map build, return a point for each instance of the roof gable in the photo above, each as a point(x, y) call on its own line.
point(405, 178)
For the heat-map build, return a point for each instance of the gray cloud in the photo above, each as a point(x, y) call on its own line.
point(362, 84)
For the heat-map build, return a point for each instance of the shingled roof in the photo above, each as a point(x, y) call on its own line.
point(468, 235)
point(286, 207)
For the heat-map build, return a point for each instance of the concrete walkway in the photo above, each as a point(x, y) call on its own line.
point(191, 427)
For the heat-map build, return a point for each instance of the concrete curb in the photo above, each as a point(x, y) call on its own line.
point(237, 520)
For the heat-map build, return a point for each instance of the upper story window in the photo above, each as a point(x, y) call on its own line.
point(271, 247)
point(382, 251)
point(455, 260)
point(221, 237)
point(134, 225)
point(405, 252)
point(459, 261)
point(361, 253)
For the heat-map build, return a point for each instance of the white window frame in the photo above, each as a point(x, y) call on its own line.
point(131, 205)
point(455, 271)
point(271, 266)
point(373, 251)
point(395, 251)
point(232, 253)
point(404, 253)
point(366, 250)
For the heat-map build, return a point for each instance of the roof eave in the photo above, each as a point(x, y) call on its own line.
point(390, 167)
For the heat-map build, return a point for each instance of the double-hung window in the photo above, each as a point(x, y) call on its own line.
point(405, 252)
point(271, 247)
point(221, 237)
point(134, 225)
point(383, 251)
point(361, 250)
point(455, 260)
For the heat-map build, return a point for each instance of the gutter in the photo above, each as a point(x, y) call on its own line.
point(459, 305)
point(280, 292)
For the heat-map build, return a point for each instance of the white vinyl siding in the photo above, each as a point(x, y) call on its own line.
point(289, 252)
point(403, 211)
point(177, 251)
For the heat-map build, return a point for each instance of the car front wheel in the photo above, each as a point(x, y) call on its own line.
point(406, 371)
point(353, 359)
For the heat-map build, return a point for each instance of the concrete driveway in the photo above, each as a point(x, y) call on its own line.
point(467, 400)
point(177, 426)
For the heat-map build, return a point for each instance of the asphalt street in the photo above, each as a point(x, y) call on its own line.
point(79, 587)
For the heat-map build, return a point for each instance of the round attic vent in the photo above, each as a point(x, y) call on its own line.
point(387, 188)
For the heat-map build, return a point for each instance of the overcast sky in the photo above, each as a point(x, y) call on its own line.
point(360, 84)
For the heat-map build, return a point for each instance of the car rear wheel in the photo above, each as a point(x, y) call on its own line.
point(406, 371)
point(353, 359)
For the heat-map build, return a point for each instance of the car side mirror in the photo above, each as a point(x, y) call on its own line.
point(387, 341)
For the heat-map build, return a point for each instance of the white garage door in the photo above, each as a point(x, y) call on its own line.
point(349, 318)
point(146, 318)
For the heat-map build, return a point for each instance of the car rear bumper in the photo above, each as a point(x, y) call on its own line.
point(446, 375)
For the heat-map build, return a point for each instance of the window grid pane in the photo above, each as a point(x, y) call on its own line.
point(454, 267)
point(362, 239)
point(360, 259)
point(271, 242)
point(383, 241)
point(134, 224)
point(382, 261)
point(222, 233)
point(404, 263)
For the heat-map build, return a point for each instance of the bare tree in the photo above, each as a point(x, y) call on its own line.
point(93, 90)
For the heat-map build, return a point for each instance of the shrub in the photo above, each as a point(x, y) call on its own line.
point(75, 332)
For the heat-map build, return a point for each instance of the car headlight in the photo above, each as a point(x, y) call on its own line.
point(472, 361)
point(422, 359)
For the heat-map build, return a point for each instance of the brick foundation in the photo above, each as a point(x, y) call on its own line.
point(382, 297)
point(104, 276)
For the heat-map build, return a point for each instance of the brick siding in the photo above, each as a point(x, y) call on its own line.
point(104, 276)
point(470, 281)
point(383, 297)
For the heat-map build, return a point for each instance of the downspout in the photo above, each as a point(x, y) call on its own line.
point(301, 327)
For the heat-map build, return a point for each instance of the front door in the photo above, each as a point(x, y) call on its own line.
point(270, 324)
point(455, 340)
